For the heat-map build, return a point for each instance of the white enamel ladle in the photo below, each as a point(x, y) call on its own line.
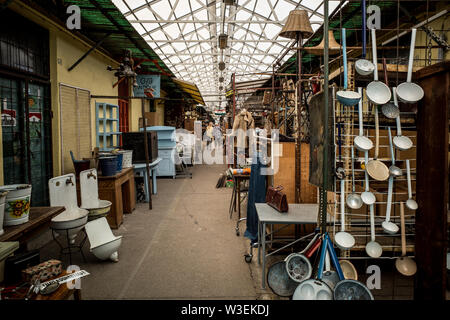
point(367, 196)
point(405, 265)
point(377, 92)
point(393, 169)
point(408, 91)
point(373, 248)
point(410, 203)
point(361, 142)
point(400, 142)
point(354, 200)
point(388, 226)
point(344, 240)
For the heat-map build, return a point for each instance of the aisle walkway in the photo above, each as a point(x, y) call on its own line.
point(184, 248)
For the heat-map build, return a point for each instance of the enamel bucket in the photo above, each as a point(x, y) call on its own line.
point(17, 204)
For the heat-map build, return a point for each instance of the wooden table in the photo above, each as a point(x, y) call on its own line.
point(62, 293)
point(39, 219)
point(118, 189)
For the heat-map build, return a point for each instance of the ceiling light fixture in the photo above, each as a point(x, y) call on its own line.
point(229, 2)
point(221, 66)
point(223, 41)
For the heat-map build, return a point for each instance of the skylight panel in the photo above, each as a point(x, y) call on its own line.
point(263, 8)
point(135, 3)
point(138, 28)
point(120, 5)
point(162, 9)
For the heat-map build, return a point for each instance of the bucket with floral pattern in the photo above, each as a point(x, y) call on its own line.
point(17, 210)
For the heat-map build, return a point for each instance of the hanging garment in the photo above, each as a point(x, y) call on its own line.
point(256, 194)
point(242, 122)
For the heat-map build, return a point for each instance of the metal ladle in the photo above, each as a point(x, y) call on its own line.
point(405, 265)
point(409, 92)
point(388, 226)
point(390, 110)
point(393, 169)
point(400, 142)
point(354, 200)
point(364, 67)
point(373, 248)
point(375, 168)
point(346, 97)
point(410, 203)
point(367, 196)
point(344, 240)
point(377, 91)
point(361, 142)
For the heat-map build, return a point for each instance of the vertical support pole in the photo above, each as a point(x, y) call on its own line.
point(27, 123)
point(323, 198)
point(234, 96)
point(273, 96)
point(147, 172)
point(298, 197)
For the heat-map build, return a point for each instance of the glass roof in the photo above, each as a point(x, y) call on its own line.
point(185, 36)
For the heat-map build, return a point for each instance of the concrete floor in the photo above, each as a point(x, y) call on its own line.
point(186, 248)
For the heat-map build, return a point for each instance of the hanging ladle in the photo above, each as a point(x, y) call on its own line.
point(405, 265)
point(390, 110)
point(410, 203)
point(347, 97)
point(400, 142)
point(375, 168)
point(362, 143)
point(354, 200)
point(344, 240)
point(409, 92)
point(363, 66)
point(393, 169)
point(377, 91)
point(367, 196)
point(373, 248)
point(388, 226)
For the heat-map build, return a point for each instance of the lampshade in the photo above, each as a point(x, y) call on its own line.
point(297, 22)
point(333, 46)
point(221, 66)
point(223, 40)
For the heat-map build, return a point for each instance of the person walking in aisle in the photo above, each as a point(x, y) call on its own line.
point(209, 135)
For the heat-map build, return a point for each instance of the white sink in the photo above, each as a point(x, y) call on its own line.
point(63, 192)
point(89, 195)
point(104, 244)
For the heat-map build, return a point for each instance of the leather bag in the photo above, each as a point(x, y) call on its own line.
point(277, 199)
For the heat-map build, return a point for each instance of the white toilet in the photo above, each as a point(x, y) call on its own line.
point(63, 192)
point(104, 244)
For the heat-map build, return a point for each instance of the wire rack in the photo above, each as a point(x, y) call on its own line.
point(357, 222)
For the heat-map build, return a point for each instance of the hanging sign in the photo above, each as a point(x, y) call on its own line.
point(35, 116)
point(8, 118)
point(148, 86)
